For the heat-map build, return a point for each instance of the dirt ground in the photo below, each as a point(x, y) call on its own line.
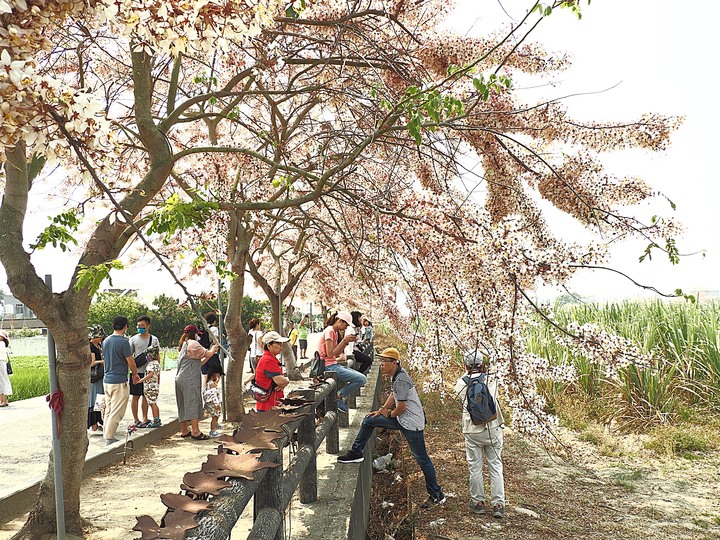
point(550, 497)
point(591, 496)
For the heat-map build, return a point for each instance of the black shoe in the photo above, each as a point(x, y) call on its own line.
point(351, 457)
point(498, 511)
point(434, 501)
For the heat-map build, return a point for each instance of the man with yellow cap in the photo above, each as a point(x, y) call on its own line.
point(402, 411)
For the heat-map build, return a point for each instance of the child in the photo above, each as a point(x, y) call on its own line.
point(151, 388)
point(211, 398)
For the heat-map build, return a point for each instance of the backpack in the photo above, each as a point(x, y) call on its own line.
point(317, 367)
point(480, 403)
point(204, 338)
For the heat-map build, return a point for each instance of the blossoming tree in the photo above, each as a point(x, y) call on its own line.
point(351, 122)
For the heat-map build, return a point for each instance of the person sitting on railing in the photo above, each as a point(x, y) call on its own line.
point(402, 411)
point(331, 350)
point(269, 375)
point(363, 361)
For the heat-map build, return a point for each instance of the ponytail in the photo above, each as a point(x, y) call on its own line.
point(332, 319)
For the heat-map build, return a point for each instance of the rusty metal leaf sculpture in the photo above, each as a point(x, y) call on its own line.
point(290, 409)
point(148, 527)
point(258, 439)
point(172, 527)
point(244, 434)
point(273, 420)
point(297, 395)
point(242, 466)
point(229, 444)
point(177, 501)
point(201, 483)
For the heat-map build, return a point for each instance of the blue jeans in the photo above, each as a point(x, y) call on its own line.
point(416, 442)
point(355, 380)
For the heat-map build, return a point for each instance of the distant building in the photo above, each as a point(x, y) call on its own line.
point(12, 308)
point(15, 315)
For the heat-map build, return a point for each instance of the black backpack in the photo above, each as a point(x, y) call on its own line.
point(204, 338)
point(480, 403)
point(317, 367)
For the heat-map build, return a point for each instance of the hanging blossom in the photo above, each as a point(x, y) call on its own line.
point(179, 26)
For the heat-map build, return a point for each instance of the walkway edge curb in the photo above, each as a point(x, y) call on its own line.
point(21, 501)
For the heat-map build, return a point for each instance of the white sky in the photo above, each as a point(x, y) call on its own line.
point(658, 56)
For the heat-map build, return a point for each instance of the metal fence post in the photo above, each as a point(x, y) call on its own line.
point(269, 492)
point(306, 436)
point(56, 445)
point(332, 442)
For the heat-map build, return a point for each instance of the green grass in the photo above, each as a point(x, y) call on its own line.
point(30, 377)
point(684, 339)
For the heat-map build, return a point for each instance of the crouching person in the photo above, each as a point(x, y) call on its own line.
point(402, 411)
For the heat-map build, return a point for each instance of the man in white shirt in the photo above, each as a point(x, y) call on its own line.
point(483, 440)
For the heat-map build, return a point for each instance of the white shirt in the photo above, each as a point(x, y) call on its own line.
point(350, 331)
point(461, 391)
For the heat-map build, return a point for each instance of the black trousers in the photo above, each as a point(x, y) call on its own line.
point(362, 362)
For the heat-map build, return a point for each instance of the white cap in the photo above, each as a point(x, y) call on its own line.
point(272, 335)
point(473, 358)
point(345, 316)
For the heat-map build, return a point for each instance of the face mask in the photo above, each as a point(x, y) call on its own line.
point(141, 330)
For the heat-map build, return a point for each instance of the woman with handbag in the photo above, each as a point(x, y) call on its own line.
point(269, 382)
point(5, 386)
point(97, 371)
point(188, 382)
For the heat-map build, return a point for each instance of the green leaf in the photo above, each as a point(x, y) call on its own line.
point(59, 232)
point(91, 277)
point(176, 214)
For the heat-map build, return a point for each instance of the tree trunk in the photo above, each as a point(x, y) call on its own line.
point(237, 252)
point(273, 297)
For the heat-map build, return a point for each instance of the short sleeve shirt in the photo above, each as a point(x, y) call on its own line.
point(153, 366)
point(140, 343)
point(116, 350)
point(267, 368)
point(403, 389)
point(302, 331)
point(331, 334)
point(257, 336)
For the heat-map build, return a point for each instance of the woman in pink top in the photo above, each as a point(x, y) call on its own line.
point(331, 349)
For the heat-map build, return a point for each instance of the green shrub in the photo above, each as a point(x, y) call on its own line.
point(681, 440)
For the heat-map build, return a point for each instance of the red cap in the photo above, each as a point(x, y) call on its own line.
point(192, 328)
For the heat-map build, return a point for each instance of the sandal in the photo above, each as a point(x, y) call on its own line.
point(188, 434)
point(200, 437)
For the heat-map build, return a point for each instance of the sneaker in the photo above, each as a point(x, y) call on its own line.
point(434, 501)
point(498, 511)
point(477, 508)
point(108, 442)
point(155, 423)
point(351, 457)
point(341, 406)
point(214, 433)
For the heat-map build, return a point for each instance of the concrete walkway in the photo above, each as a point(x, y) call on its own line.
point(26, 441)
